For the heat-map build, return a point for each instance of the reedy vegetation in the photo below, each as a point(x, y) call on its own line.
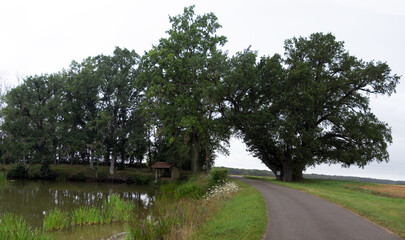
point(114, 209)
point(181, 209)
point(16, 228)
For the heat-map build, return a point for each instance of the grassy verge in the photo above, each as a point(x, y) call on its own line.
point(386, 211)
point(241, 217)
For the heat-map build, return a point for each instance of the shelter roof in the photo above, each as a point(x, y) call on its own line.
point(161, 165)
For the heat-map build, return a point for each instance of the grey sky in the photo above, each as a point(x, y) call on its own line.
point(45, 36)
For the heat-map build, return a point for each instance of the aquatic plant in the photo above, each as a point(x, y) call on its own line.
point(114, 209)
point(3, 178)
point(120, 209)
point(169, 220)
point(56, 220)
point(85, 216)
point(16, 228)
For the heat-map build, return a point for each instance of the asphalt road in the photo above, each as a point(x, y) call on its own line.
point(296, 215)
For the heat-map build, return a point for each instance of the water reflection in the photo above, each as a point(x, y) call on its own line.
point(31, 198)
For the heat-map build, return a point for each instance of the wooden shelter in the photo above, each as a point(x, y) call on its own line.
point(164, 170)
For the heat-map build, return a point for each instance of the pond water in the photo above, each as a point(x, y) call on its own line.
point(32, 199)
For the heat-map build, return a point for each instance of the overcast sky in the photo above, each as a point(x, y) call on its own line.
point(45, 36)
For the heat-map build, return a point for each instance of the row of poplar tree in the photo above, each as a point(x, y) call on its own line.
point(182, 100)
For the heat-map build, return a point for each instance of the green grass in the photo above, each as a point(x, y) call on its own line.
point(16, 228)
point(386, 211)
point(3, 178)
point(186, 211)
point(56, 220)
point(243, 216)
point(114, 209)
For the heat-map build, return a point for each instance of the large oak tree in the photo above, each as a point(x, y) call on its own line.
point(310, 107)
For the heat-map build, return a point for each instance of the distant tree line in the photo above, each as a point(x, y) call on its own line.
point(182, 100)
point(248, 172)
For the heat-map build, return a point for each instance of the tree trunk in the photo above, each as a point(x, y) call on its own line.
point(290, 173)
point(207, 159)
point(123, 158)
point(194, 159)
point(112, 164)
point(106, 157)
point(91, 160)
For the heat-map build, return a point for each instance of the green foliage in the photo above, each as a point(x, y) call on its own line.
point(114, 209)
point(167, 190)
point(16, 171)
point(16, 228)
point(190, 189)
point(3, 178)
point(45, 172)
point(218, 176)
point(79, 177)
point(310, 107)
point(251, 172)
point(169, 221)
point(182, 73)
point(85, 216)
point(56, 220)
point(121, 210)
point(141, 179)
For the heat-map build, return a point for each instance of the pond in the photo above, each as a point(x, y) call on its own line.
point(32, 199)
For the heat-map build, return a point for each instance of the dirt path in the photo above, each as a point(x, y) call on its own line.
point(297, 215)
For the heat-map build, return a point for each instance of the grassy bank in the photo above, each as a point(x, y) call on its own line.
point(241, 217)
point(375, 202)
point(204, 208)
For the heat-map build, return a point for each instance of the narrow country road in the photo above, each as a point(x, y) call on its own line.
point(296, 215)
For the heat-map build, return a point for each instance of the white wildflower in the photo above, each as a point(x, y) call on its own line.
point(222, 191)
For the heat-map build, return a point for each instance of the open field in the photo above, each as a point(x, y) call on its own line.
point(385, 210)
point(395, 191)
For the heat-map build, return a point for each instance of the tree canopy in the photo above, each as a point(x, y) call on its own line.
point(181, 101)
point(182, 74)
point(310, 107)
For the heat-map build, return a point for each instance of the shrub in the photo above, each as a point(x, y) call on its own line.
point(166, 190)
point(17, 171)
point(218, 176)
point(79, 177)
point(141, 179)
point(190, 189)
point(45, 172)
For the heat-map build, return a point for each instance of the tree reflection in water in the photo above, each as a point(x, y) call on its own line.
point(31, 198)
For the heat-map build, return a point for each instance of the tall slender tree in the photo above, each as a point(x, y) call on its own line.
point(182, 74)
